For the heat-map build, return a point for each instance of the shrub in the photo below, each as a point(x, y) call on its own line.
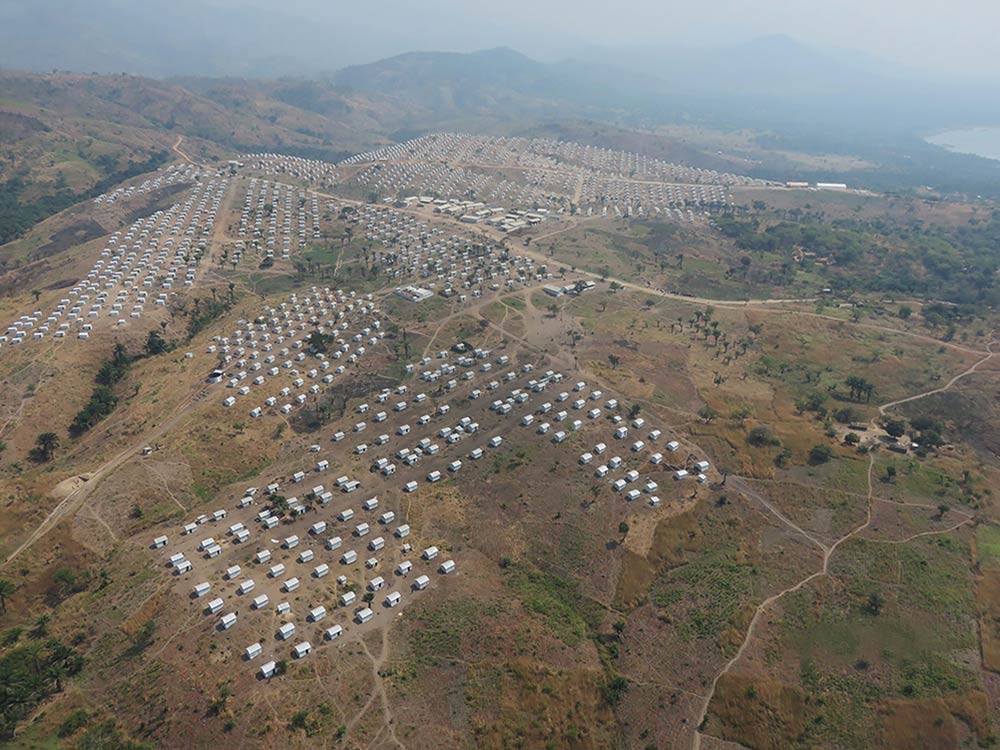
point(820, 454)
point(762, 437)
point(846, 415)
point(74, 722)
point(896, 427)
point(614, 690)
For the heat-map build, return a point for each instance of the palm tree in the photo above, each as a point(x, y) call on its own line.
point(279, 504)
point(859, 386)
point(46, 443)
point(869, 389)
point(55, 672)
point(7, 588)
point(41, 626)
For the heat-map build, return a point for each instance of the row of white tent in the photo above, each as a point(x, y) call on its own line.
point(130, 268)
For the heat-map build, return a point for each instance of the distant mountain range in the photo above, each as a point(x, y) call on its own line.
point(772, 82)
point(499, 80)
point(790, 96)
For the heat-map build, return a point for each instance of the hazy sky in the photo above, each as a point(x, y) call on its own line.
point(161, 36)
point(956, 36)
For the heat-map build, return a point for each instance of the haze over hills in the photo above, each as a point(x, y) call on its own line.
point(795, 97)
point(598, 381)
point(496, 91)
point(769, 80)
point(221, 38)
point(493, 80)
point(273, 93)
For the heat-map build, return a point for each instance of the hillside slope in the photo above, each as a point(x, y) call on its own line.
point(64, 137)
point(445, 81)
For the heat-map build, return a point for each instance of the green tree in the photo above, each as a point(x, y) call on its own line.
point(707, 413)
point(40, 628)
point(856, 385)
point(761, 437)
point(820, 454)
point(874, 604)
point(11, 636)
point(845, 415)
point(741, 413)
point(859, 387)
point(614, 690)
point(811, 402)
point(279, 504)
point(896, 428)
point(7, 589)
point(45, 446)
point(68, 580)
point(155, 344)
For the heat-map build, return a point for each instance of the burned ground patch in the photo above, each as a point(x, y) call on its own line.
point(160, 199)
point(14, 126)
point(71, 236)
point(333, 403)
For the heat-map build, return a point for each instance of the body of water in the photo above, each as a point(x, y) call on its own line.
point(983, 142)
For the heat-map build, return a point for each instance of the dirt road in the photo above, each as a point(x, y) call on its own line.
point(176, 148)
point(75, 500)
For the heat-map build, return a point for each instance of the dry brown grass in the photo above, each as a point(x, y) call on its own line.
point(672, 538)
point(988, 601)
point(934, 723)
point(537, 707)
point(757, 712)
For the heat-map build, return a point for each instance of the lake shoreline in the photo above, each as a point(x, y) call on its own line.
point(981, 140)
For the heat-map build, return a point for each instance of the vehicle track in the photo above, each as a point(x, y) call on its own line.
point(828, 551)
point(74, 500)
point(176, 148)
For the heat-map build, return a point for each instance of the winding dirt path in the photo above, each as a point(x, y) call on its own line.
point(989, 348)
point(828, 550)
point(387, 716)
point(176, 148)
